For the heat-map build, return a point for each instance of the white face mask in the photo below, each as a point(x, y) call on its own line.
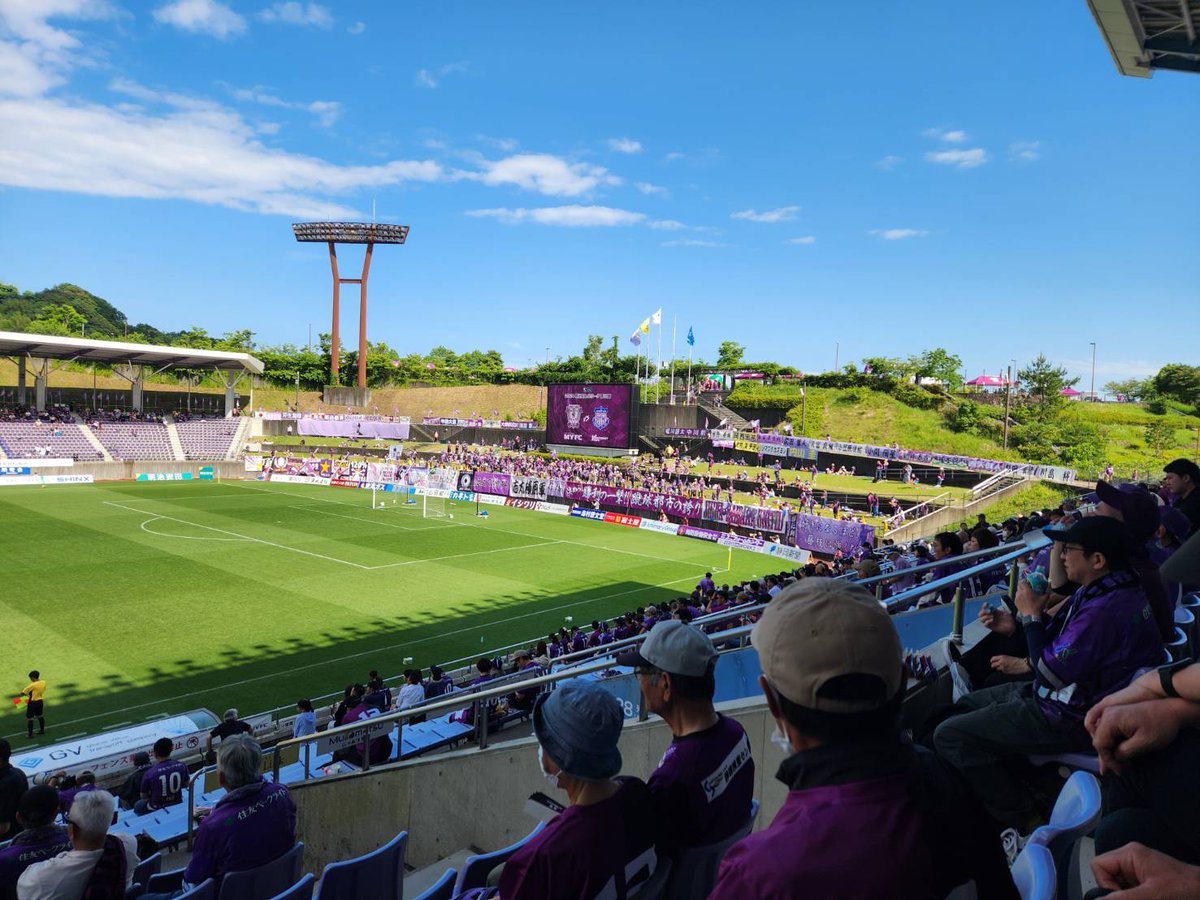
point(552, 779)
point(780, 740)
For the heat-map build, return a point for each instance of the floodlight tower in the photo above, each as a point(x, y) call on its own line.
point(334, 233)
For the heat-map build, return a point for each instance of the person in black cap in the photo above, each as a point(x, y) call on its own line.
point(131, 790)
point(704, 783)
point(603, 842)
point(1090, 649)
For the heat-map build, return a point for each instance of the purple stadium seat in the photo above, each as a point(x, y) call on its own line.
point(475, 870)
point(376, 876)
point(301, 890)
point(266, 880)
point(442, 889)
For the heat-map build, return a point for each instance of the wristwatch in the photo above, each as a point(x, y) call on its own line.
point(1027, 619)
point(1166, 676)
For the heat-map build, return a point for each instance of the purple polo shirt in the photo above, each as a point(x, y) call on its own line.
point(1095, 646)
point(703, 786)
point(34, 845)
point(67, 797)
point(164, 783)
point(247, 828)
point(815, 847)
point(586, 851)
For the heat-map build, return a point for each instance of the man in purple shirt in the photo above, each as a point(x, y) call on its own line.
point(603, 842)
point(867, 815)
point(163, 783)
point(704, 783)
point(41, 839)
point(254, 823)
point(1088, 650)
point(706, 583)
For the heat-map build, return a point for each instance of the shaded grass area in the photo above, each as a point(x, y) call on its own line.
point(137, 600)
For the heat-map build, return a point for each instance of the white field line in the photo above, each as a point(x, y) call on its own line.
point(378, 650)
point(186, 537)
point(321, 512)
point(417, 562)
point(143, 512)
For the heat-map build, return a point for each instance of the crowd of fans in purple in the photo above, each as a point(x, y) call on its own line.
point(1072, 662)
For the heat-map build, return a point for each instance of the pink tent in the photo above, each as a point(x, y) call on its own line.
point(987, 381)
point(1070, 392)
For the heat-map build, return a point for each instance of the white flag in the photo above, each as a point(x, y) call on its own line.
point(656, 319)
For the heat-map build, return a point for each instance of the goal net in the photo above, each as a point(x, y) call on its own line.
point(433, 504)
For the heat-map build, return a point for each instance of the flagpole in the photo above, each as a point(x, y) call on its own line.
point(658, 365)
point(674, 331)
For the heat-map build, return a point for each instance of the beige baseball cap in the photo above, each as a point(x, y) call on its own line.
point(820, 628)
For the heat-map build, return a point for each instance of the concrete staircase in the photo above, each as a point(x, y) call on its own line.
point(91, 438)
point(173, 437)
point(723, 412)
point(239, 438)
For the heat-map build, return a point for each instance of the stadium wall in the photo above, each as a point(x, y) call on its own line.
point(130, 469)
point(472, 798)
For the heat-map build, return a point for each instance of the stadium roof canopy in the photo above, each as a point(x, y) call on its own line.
point(43, 346)
point(1144, 35)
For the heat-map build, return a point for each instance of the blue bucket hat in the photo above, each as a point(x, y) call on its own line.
point(578, 726)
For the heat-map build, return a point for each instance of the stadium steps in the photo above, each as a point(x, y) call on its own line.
point(723, 412)
point(239, 438)
point(90, 437)
point(173, 437)
point(420, 880)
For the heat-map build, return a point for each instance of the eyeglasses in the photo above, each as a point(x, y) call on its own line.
point(649, 673)
point(1067, 547)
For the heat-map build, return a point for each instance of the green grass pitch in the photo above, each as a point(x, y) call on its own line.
point(136, 599)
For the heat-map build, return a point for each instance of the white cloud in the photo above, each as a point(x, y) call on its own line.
point(692, 242)
point(203, 153)
point(326, 112)
point(431, 78)
point(545, 174)
point(668, 225)
point(953, 136)
point(647, 188)
point(769, 216)
point(674, 155)
point(1024, 151)
point(356, 28)
point(624, 145)
point(564, 216)
point(897, 234)
point(201, 17)
point(294, 13)
point(889, 162)
point(960, 159)
point(807, 239)
point(36, 55)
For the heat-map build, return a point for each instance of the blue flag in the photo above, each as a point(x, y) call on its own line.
point(691, 338)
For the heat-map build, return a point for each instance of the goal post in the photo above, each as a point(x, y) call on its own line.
point(433, 507)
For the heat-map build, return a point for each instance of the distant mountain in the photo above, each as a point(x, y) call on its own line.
point(18, 309)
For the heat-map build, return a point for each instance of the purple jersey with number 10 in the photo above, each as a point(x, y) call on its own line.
point(164, 782)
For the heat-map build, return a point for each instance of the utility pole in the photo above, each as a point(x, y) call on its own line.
point(837, 350)
point(1092, 392)
point(1007, 397)
point(297, 390)
point(803, 409)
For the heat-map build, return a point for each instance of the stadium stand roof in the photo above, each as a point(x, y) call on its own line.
point(1144, 35)
point(43, 346)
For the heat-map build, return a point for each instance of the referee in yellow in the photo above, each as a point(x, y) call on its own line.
point(35, 691)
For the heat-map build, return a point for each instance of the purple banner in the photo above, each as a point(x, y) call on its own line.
point(703, 534)
point(823, 535)
point(588, 415)
point(687, 507)
point(491, 483)
point(757, 517)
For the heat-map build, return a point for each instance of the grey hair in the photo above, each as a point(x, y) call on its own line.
point(92, 812)
point(240, 760)
point(230, 715)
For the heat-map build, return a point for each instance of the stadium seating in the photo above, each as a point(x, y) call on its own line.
point(62, 440)
point(135, 440)
point(207, 438)
point(205, 891)
point(475, 870)
point(301, 890)
point(656, 885)
point(1076, 813)
point(442, 889)
point(378, 875)
point(265, 880)
point(696, 870)
point(1178, 645)
point(1186, 621)
point(1034, 875)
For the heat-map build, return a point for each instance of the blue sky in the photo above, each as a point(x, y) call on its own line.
point(789, 176)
